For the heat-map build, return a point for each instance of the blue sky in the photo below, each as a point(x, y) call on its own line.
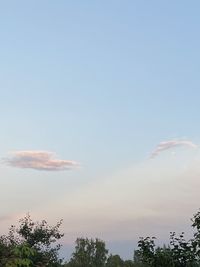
point(101, 83)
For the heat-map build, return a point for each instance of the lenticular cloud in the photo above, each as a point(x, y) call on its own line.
point(39, 160)
point(171, 144)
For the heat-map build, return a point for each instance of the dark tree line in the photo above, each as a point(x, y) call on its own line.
point(35, 244)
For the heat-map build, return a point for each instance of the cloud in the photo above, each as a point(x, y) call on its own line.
point(171, 144)
point(39, 160)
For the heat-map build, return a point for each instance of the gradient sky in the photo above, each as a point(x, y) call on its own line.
point(101, 83)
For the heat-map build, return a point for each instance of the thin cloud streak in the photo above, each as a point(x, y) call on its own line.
point(166, 145)
point(39, 160)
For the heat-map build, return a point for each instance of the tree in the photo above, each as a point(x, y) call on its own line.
point(21, 256)
point(183, 253)
point(128, 263)
point(114, 261)
point(146, 252)
point(163, 257)
point(89, 253)
point(180, 252)
point(31, 245)
point(196, 240)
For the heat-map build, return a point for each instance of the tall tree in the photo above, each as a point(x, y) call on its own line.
point(89, 253)
point(31, 244)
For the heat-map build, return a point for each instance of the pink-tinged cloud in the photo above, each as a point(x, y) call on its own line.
point(171, 144)
point(39, 160)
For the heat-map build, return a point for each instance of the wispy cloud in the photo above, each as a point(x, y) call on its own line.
point(38, 160)
point(171, 144)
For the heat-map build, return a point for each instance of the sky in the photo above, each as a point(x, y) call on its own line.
point(99, 113)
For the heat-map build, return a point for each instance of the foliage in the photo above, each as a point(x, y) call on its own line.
point(30, 245)
point(146, 251)
point(41, 237)
point(21, 256)
point(89, 253)
point(180, 252)
point(34, 244)
point(114, 261)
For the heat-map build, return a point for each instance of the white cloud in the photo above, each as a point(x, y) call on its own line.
point(171, 144)
point(39, 160)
